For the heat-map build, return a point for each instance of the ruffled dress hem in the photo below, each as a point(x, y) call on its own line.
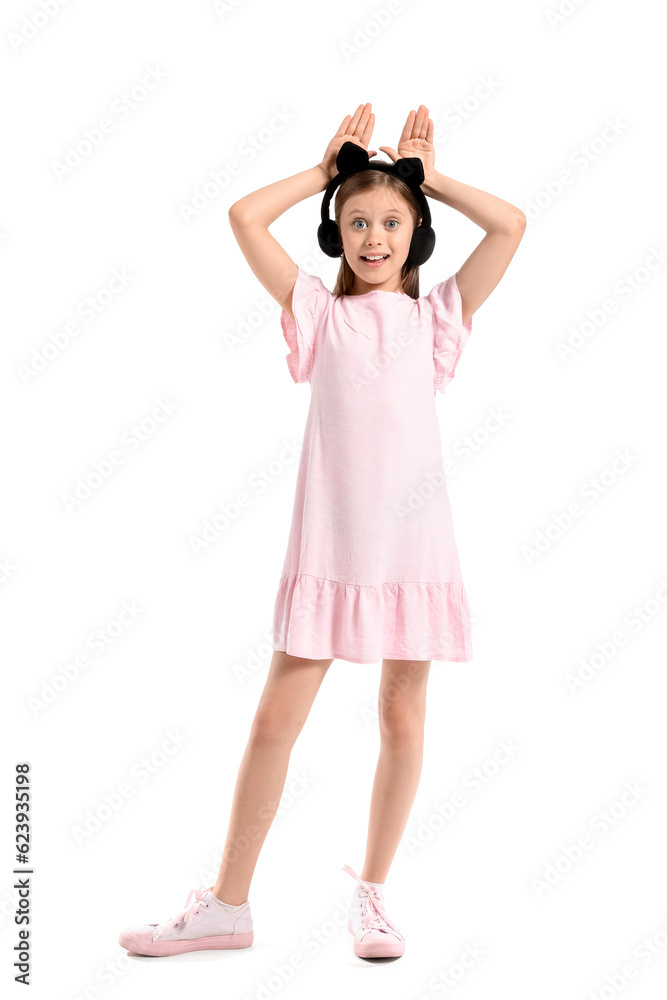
point(321, 619)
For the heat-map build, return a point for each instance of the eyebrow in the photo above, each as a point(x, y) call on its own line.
point(360, 211)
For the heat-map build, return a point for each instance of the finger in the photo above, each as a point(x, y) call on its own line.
point(352, 127)
point(390, 152)
point(343, 125)
point(368, 129)
point(429, 131)
point(426, 121)
point(421, 122)
point(349, 127)
point(362, 124)
point(407, 128)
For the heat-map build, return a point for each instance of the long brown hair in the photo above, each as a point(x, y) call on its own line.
point(368, 180)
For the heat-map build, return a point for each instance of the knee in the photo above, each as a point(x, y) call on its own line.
point(271, 726)
point(401, 723)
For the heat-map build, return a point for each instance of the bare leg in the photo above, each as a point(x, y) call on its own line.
point(402, 711)
point(283, 708)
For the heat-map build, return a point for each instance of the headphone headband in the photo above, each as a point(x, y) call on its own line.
point(353, 159)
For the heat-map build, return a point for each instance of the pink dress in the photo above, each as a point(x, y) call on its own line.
point(372, 569)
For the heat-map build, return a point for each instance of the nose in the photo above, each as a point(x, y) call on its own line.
point(375, 233)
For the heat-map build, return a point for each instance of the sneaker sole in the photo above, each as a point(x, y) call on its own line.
point(135, 944)
point(376, 949)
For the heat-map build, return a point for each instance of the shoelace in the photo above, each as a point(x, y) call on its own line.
point(374, 918)
point(186, 913)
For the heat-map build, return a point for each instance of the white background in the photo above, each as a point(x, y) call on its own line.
point(469, 882)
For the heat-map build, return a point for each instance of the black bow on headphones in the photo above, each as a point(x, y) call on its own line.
point(352, 159)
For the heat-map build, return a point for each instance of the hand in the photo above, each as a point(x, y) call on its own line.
point(357, 129)
point(416, 140)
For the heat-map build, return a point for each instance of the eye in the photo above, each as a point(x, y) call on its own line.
point(354, 224)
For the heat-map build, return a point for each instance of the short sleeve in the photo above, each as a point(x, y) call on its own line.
point(299, 333)
point(450, 334)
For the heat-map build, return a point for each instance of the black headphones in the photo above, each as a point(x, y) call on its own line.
point(352, 159)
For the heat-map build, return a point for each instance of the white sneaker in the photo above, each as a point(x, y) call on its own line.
point(204, 923)
point(375, 936)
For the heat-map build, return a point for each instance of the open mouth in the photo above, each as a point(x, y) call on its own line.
point(374, 259)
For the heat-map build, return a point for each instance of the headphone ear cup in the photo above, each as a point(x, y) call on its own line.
point(421, 245)
point(328, 238)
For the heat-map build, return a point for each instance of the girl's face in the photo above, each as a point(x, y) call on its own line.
point(375, 223)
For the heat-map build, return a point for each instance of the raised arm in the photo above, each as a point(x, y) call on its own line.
point(503, 222)
point(251, 216)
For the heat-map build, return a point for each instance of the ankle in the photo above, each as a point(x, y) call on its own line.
point(230, 897)
point(372, 880)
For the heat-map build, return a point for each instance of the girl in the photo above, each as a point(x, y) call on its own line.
point(372, 568)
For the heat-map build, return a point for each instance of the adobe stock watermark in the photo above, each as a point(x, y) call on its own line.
point(634, 621)
point(218, 179)
point(7, 570)
point(97, 642)
point(473, 442)
point(247, 326)
point(267, 307)
point(256, 660)
point(562, 12)
point(132, 439)
point(625, 289)
point(94, 136)
point(105, 977)
point(7, 908)
point(311, 944)
point(591, 491)
point(230, 511)
point(303, 608)
point(370, 713)
point(87, 310)
point(419, 494)
point(600, 824)
point(112, 802)
point(580, 160)
point(296, 786)
point(459, 114)
point(369, 31)
point(33, 24)
point(645, 952)
point(449, 640)
point(471, 784)
point(223, 7)
point(442, 982)
point(466, 447)
point(385, 359)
